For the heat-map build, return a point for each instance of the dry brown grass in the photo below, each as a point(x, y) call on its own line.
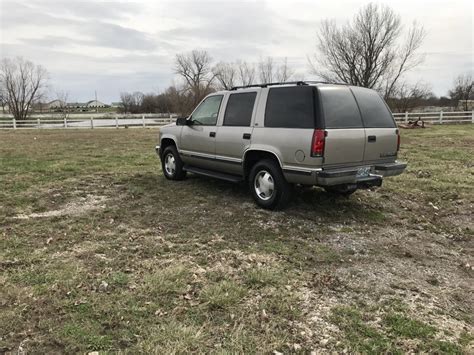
point(108, 255)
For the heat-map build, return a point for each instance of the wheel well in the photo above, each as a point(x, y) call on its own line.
point(166, 142)
point(254, 156)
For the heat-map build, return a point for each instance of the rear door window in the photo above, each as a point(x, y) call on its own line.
point(239, 109)
point(375, 112)
point(290, 107)
point(339, 107)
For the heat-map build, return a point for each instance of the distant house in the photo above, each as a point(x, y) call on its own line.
point(76, 105)
point(95, 104)
point(116, 104)
point(55, 104)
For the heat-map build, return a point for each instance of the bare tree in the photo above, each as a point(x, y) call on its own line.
point(284, 72)
point(266, 70)
point(181, 99)
point(270, 71)
point(3, 97)
point(406, 97)
point(24, 84)
point(131, 102)
point(226, 75)
point(246, 73)
point(463, 90)
point(195, 68)
point(368, 51)
point(62, 97)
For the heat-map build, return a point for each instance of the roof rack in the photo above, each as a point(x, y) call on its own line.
point(298, 83)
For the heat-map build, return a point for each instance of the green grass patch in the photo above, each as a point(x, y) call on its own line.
point(222, 295)
point(402, 326)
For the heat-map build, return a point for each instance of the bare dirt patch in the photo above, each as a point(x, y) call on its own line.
point(75, 208)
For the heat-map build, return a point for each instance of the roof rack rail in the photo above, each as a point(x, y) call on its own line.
point(324, 82)
point(298, 83)
point(269, 84)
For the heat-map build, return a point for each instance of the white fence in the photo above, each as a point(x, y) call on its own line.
point(436, 117)
point(156, 120)
point(88, 121)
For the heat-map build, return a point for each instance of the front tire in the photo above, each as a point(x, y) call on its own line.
point(172, 165)
point(268, 186)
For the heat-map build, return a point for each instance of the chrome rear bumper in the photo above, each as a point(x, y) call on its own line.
point(349, 176)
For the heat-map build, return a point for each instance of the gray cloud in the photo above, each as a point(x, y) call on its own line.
point(249, 26)
point(85, 21)
point(115, 46)
point(48, 13)
point(89, 9)
point(115, 36)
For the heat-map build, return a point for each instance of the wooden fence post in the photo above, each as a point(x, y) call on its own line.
point(38, 122)
point(92, 122)
point(406, 116)
point(441, 117)
point(472, 116)
point(116, 122)
point(14, 123)
point(65, 122)
point(143, 120)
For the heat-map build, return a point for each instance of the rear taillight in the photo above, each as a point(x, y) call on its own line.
point(398, 140)
point(317, 145)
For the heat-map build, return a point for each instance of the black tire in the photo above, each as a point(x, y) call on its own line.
point(342, 190)
point(281, 193)
point(176, 173)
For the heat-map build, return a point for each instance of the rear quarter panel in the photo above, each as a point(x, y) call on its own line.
point(292, 145)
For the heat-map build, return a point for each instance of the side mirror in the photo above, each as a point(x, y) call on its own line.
point(181, 121)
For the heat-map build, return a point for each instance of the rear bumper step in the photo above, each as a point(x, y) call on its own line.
point(390, 169)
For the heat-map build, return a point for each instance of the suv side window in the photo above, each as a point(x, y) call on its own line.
point(290, 107)
point(207, 112)
point(340, 108)
point(239, 109)
point(374, 110)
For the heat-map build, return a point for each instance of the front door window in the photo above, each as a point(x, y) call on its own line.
point(207, 112)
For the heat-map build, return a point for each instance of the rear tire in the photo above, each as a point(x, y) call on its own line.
point(268, 186)
point(172, 165)
point(341, 190)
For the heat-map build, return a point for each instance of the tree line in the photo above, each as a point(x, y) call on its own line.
point(199, 76)
point(372, 50)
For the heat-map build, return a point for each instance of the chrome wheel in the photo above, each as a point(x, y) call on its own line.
point(170, 164)
point(264, 185)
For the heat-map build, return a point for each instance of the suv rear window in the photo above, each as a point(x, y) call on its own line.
point(340, 108)
point(239, 109)
point(374, 110)
point(290, 107)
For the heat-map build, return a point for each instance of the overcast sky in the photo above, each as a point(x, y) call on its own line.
point(127, 46)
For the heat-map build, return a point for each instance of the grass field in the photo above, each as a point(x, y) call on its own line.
point(99, 252)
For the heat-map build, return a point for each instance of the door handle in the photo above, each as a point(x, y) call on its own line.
point(212, 134)
point(372, 138)
point(246, 136)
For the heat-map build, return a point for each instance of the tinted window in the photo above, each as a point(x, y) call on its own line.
point(239, 109)
point(340, 108)
point(374, 111)
point(207, 111)
point(290, 107)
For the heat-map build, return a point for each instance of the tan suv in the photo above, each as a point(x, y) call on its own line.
point(336, 136)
